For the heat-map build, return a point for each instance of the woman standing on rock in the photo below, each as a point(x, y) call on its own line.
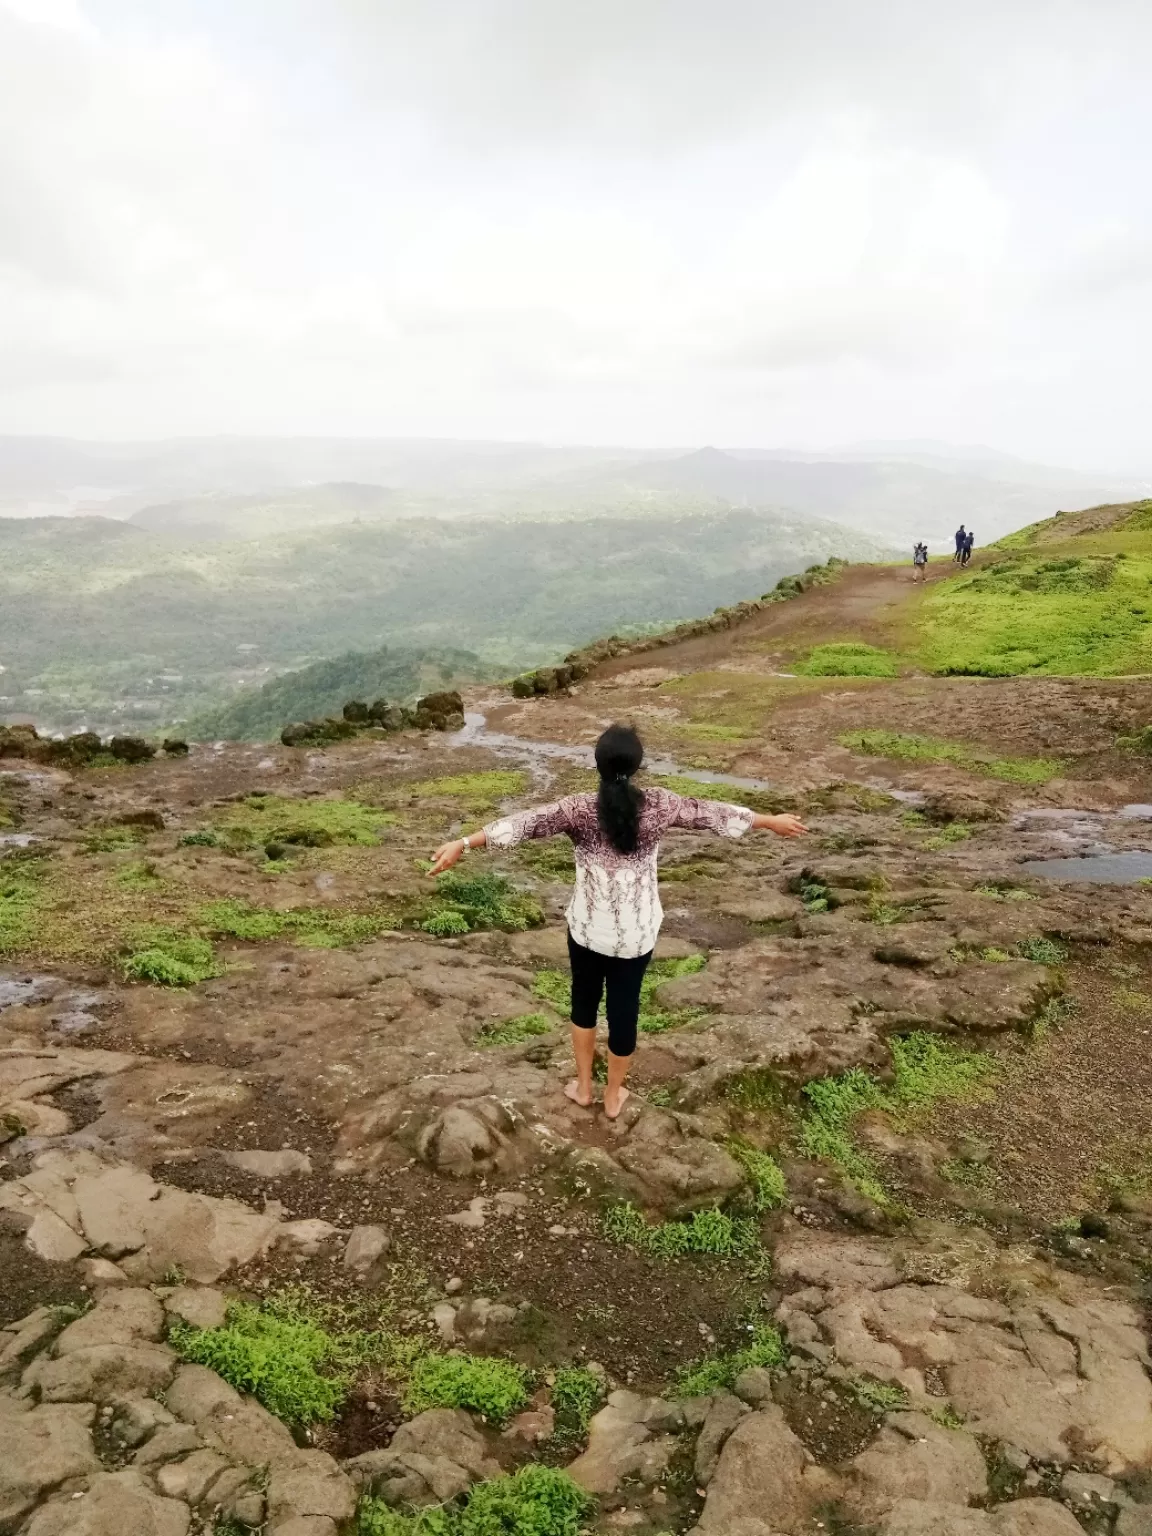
point(615, 913)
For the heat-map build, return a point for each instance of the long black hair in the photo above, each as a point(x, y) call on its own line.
point(618, 755)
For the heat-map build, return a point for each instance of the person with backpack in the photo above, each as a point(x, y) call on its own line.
point(614, 915)
point(919, 561)
point(961, 537)
point(966, 554)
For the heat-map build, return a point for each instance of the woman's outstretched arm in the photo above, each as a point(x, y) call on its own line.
point(783, 826)
point(543, 821)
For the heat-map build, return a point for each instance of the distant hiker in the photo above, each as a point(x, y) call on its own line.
point(966, 552)
point(919, 561)
point(615, 913)
point(961, 540)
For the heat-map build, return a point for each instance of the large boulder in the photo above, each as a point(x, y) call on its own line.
point(628, 1440)
point(432, 1458)
point(765, 1469)
point(680, 1168)
point(1026, 1517)
point(913, 1457)
point(440, 712)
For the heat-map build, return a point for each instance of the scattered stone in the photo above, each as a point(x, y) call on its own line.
point(102, 1372)
point(306, 1237)
point(724, 1413)
point(432, 1458)
point(623, 1443)
point(444, 1317)
point(310, 1485)
point(764, 1466)
point(366, 1245)
point(101, 1272)
point(913, 1457)
point(121, 1316)
point(271, 1165)
point(191, 1478)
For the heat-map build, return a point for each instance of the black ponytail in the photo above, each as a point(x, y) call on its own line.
point(618, 755)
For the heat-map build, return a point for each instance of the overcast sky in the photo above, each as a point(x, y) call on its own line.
point(661, 222)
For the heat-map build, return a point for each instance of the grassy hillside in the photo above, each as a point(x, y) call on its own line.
point(258, 714)
point(1069, 596)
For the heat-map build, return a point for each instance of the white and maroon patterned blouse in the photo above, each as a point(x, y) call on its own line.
point(615, 908)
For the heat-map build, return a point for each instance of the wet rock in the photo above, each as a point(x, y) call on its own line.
point(116, 1503)
point(101, 1372)
point(676, 1162)
point(311, 1485)
point(1027, 1517)
point(120, 1316)
point(306, 1237)
point(772, 907)
point(624, 1443)
point(724, 1413)
point(1088, 1493)
point(270, 1165)
point(366, 1245)
point(236, 1426)
point(23, 1339)
point(432, 1458)
point(131, 749)
point(763, 1466)
point(191, 1478)
point(915, 1458)
point(97, 1273)
point(200, 1305)
point(440, 712)
point(41, 1449)
point(466, 1139)
point(167, 1444)
point(754, 1386)
point(1135, 1522)
point(137, 1420)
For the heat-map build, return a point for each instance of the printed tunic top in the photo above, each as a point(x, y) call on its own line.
point(615, 908)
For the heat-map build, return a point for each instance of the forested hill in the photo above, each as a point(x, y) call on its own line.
point(103, 622)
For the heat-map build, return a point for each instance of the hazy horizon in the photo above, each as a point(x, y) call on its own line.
point(653, 224)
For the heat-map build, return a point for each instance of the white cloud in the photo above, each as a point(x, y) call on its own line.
point(654, 221)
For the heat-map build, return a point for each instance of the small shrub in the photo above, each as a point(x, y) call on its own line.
point(169, 959)
point(494, 1388)
point(1042, 951)
point(713, 1233)
point(288, 1363)
point(199, 840)
point(575, 1395)
point(715, 1373)
point(488, 900)
point(765, 1176)
point(878, 1396)
point(536, 1501)
point(525, 1026)
point(756, 1089)
point(446, 924)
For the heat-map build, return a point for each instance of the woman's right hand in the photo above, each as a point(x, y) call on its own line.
point(445, 856)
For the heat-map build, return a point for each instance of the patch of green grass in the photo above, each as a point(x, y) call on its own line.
point(661, 1096)
point(954, 832)
point(1070, 609)
point(310, 927)
point(140, 875)
point(1004, 891)
point(484, 900)
point(576, 1393)
point(473, 794)
point(712, 1233)
point(535, 1501)
point(202, 839)
point(946, 1416)
point(814, 893)
point(878, 1396)
point(114, 839)
point(765, 800)
point(886, 913)
point(925, 1069)
point(703, 731)
point(289, 1363)
point(494, 1388)
point(756, 1089)
point(20, 887)
point(554, 987)
point(549, 858)
point(716, 1373)
point(516, 1030)
point(168, 958)
point(959, 1170)
point(305, 823)
point(1042, 950)
point(906, 747)
point(847, 659)
point(765, 1176)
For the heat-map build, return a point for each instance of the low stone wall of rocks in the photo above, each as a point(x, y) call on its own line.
point(578, 664)
point(83, 748)
point(434, 712)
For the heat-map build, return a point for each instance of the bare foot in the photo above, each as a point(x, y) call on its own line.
point(621, 1100)
point(572, 1090)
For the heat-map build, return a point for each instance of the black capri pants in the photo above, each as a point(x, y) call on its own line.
point(593, 975)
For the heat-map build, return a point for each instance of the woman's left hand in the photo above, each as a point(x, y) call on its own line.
point(785, 826)
point(446, 855)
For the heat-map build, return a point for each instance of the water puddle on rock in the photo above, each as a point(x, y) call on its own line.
point(1099, 869)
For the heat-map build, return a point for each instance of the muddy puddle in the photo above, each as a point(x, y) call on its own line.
point(1099, 869)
